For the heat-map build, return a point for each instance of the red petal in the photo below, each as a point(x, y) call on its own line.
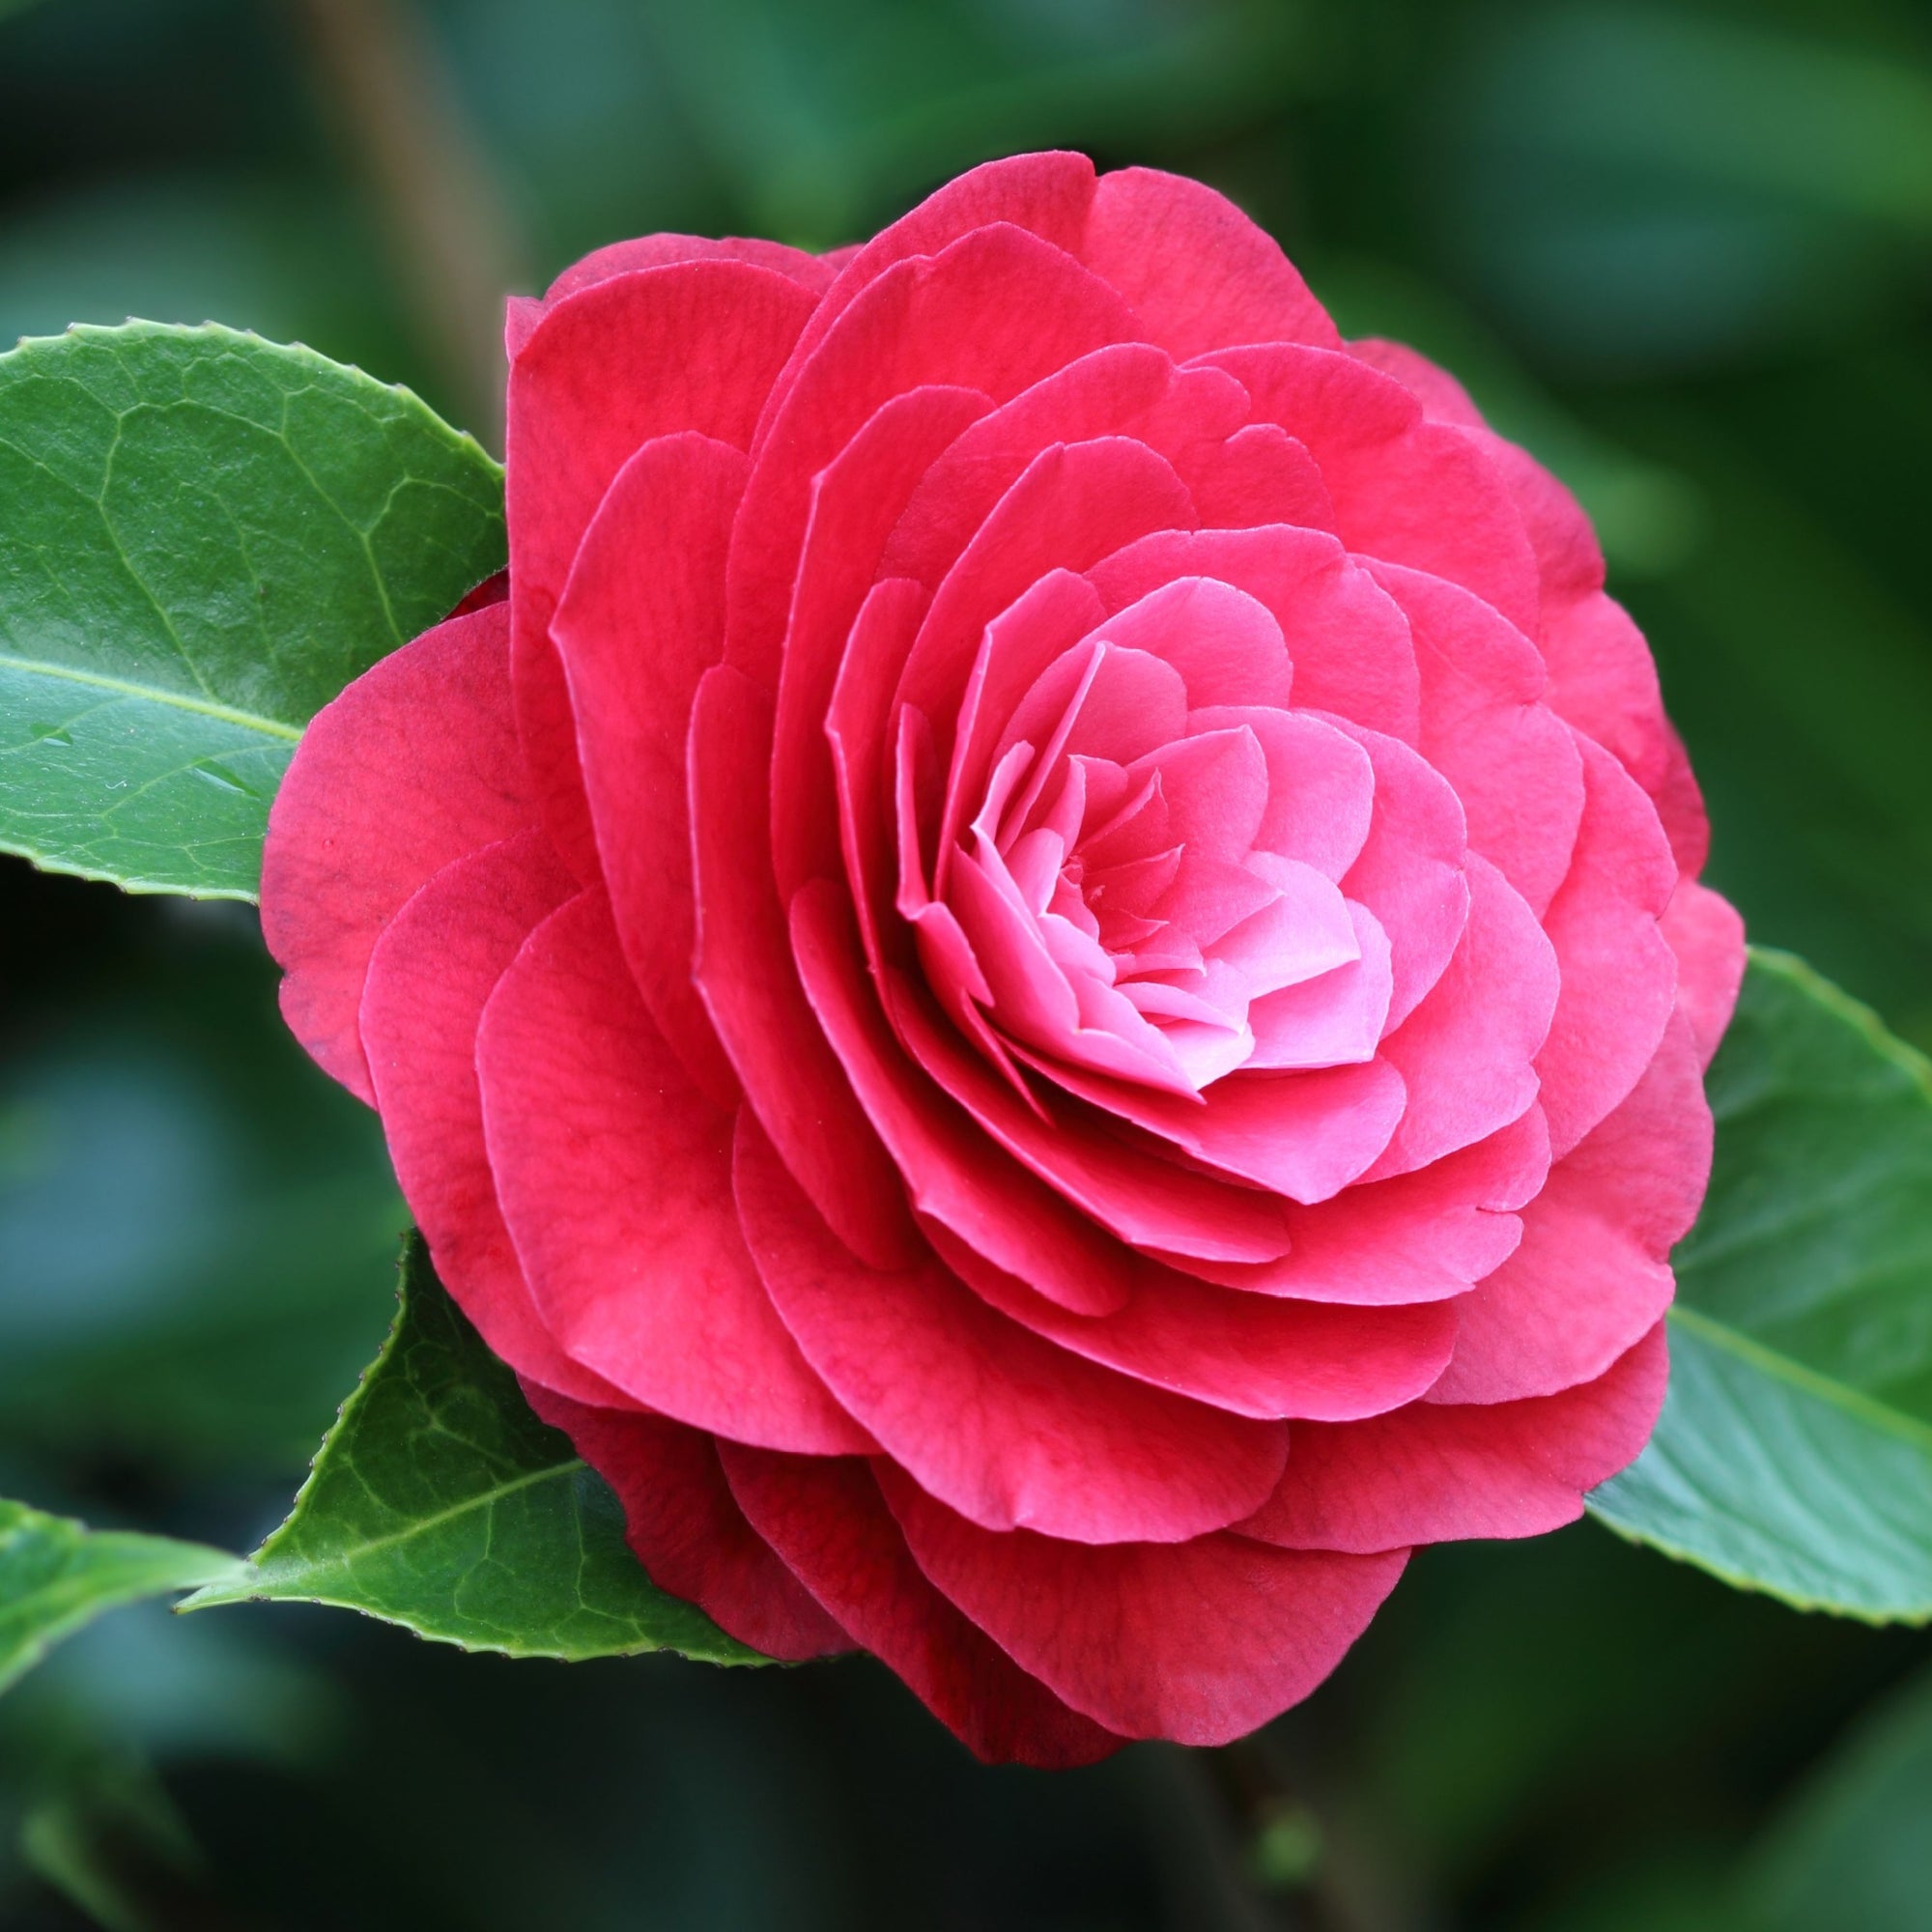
point(829, 1522)
point(855, 502)
point(1619, 973)
point(1242, 1353)
point(431, 972)
point(1350, 648)
point(694, 346)
point(1469, 1051)
point(792, 1079)
point(1199, 1641)
point(614, 1176)
point(953, 1173)
point(1590, 1276)
point(374, 804)
point(1406, 489)
point(642, 620)
point(1486, 728)
point(995, 312)
point(1200, 275)
point(1439, 1472)
point(1030, 1434)
point(1708, 938)
point(688, 1532)
point(815, 272)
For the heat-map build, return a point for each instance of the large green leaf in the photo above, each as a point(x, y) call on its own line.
point(57, 1574)
point(202, 537)
point(1795, 1450)
point(439, 1502)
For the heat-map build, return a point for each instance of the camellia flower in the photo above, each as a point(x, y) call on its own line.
point(1043, 976)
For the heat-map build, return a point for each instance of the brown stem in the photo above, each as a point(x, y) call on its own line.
point(456, 244)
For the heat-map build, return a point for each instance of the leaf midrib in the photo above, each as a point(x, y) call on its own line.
point(201, 707)
point(272, 1572)
point(1862, 1407)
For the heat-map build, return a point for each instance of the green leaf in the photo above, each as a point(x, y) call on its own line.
point(1794, 1454)
point(57, 1574)
point(202, 537)
point(439, 1501)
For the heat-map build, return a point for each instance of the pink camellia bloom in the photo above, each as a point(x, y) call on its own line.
point(1045, 977)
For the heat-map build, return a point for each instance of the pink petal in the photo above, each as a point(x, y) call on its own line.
point(952, 1172)
point(1439, 1472)
point(1410, 871)
point(1304, 1135)
point(1487, 729)
point(1441, 396)
point(1197, 1641)
point(743, 971)
point(813, 272)
point(1422, 1237)
point(855, 728)
point(1045, 194)
point(1405, 490)
point(1619, 973)
point(1072, 506)
point(1469, 1052)
point(1200, 275)
point(436, 964)
point(854, 503)
point(1225, 644)
point(695, 346)
point(1349, 643)
point(1019, 646)
point(1591, 1277)
point(641, 620)
point(995, 311)
point(1133, 1193)
point(1259, 475)
point(831, 1526)
point(686, 1528)
point(1242, 1352)
point(1320, 785)
point(1126, 389)
point(1333, 1020)
point(1708, 938)
point(372, 805)
point(1032, 1435)
point(614, 1175)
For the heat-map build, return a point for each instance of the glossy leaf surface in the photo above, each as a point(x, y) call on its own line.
point(439, 1501)
point(1795, 1450)
point(202, 537)
point(57, 1574)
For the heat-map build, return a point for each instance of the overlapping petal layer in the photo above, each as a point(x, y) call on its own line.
point(1046, 977)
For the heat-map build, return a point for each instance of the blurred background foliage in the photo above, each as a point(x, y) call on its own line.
point(1682, 250)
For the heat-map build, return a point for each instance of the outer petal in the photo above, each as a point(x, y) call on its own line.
point(995, 312)
point(1406, 489)
point(614, 1177)
point(372, 805)
point(1591, 1275)
point(829, 1522)
point(694, 346)
point(641, 620)
point(1031, 1435)
point(1485, 727)
point(1197, 1641)
point(1619, 973)
point(1708, 938)
point(433, 969)
point(688, 1532)
point(1437, 1472)
point(1200, 275)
